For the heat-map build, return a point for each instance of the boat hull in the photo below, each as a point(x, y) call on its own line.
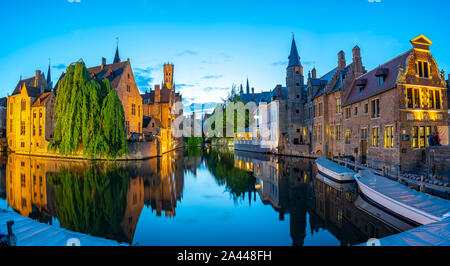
point(403, 211)
point(336, 177)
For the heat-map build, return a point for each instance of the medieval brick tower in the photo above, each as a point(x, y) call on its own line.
point(295, 90)
point(168, 76)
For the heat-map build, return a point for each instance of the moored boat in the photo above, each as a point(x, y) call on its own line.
point(334, 171)
point(400, 201)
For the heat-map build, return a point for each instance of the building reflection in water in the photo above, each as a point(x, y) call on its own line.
point(106, 199)
point(291, 186)
point(102, 199)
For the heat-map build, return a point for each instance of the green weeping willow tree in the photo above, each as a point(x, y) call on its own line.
point(89, 115)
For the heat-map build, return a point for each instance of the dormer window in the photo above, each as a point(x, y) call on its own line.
point(381, 75)
point(423, 69)
point(361, 84)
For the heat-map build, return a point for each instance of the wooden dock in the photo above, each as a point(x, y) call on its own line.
point(33, 233)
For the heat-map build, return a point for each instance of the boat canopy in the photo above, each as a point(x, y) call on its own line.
point(335, 167)
point(392, 189)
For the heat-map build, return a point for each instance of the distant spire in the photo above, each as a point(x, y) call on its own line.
point(294, 58)
point(49, 76)
point(117, 57)
point(248, 87)
point(241, 90)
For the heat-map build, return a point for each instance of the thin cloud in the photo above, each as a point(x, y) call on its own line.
point(187, 52)
point(280, 63)
point(209, 89)
point(213, 77)
point(60, 66)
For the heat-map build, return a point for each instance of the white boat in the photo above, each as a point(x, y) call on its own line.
point(334, 171)
point(400, 201)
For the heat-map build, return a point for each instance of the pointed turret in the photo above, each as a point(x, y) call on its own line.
point(248, 87)
point(294, 58)
point(117, 57)
point(49, 77)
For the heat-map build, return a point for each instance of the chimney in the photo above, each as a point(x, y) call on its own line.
point(314, 73)
point(103, 62)
point(279, 92)
point(357, 61)
point(157, 93)
point(36, 78)
point(341, 60)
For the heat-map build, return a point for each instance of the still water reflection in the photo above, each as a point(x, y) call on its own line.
point(193, 197)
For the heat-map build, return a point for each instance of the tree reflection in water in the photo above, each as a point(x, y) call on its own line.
point(93, 201)
point(236, 181)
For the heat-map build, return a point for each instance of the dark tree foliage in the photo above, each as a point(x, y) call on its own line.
point(89, 115)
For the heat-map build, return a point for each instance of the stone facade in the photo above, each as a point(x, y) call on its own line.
point(158, 106)
point(28, 115)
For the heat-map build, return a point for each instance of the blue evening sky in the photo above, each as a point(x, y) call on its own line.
point(213, 44)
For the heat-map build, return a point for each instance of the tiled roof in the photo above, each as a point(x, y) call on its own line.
point(149, 97)
point(146, 121)
point(113, 72)
point(43, 98)
point(371, 88)
point(265, 96)
point(29, 84)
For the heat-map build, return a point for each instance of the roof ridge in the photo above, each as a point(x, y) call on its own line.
point(403, 54)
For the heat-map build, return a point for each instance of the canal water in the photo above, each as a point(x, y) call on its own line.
point(192, 197)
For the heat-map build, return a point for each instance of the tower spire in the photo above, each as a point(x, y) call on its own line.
point(117, 57)
point(248, 87)
point(294, 58)
point(49, 75)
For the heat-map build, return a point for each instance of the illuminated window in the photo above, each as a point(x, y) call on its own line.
point(338, 106)
point(23, 105)
point(375, 136)
point(348, 133)
point(419, 136)
point(389, 137)
point(338, 132)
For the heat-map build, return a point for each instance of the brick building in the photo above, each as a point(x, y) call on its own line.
point(120, 75)
point(324, 118)
point(393, 108)
point(158, 106)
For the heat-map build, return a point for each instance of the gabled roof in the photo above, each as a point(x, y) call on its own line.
point(147, 119)
point(43, 98)
point(112, 72)
point(29, 84)
point(371, 88)
point(325, 79)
